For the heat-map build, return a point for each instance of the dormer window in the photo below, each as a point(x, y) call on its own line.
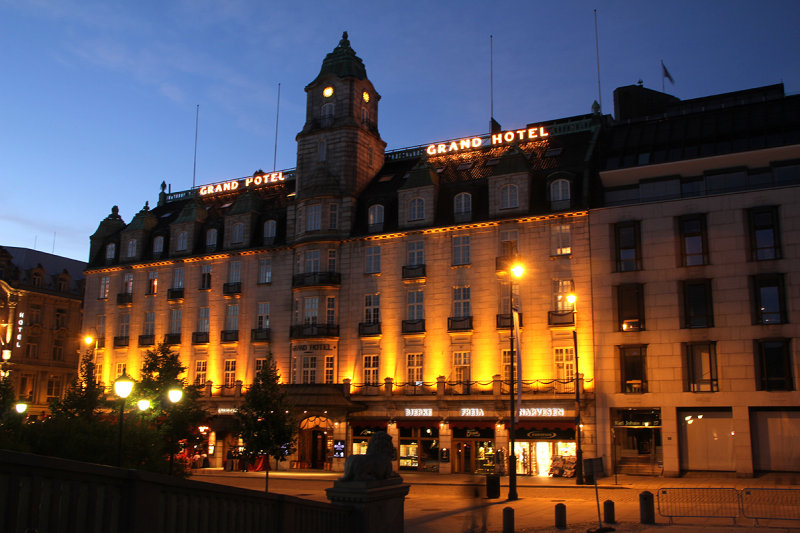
point(37, 279)
point(509, 197)
point(375, 217)
point(182, 242)
point(462, 206)
point(111, 251)
point(269, 231)
point(158, 245)
point(237, 236)
point(559, 191)
point(132, 248)
point(416, 209)
point(211, 239)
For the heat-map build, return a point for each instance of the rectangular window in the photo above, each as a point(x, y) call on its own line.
point(124, 324)
point(313, 217)
point(177, 278)
point(461, 366)
point(234, 272)
point(333, 216)
point(765, 241)
point(262, 315)
point(372, 308)
point(508, 235)
point(149, 323)
point(461, 302)
point(331, 260)
point(127, 283)
point(310, 309)
point(769, 306)
point(61, 318)
point(260, 362)
point(309, 369)
point(701, 367)
point(311, 261)
point(330, 311)
point(507, 366)
point(175, 321)
point(264, 271)
point(98, 373)
point(370, 369)
point(560, 239)
point(232, 317)
point(32, 350)
point(205, 277)
point(372, 260)
point(58, 351)
point(203, 320)
point(416, 253)
point(630, 307)
point(229, 375)
point(633, 369)
point(693, 240)
point(697, 304)
point(329, 369)
point(121, 368)
point(152, 282)
point(54, 386)
point(414, 368)
point(773, 365)
point(562, 288)
point(416, 309)
point(627, 246)
point(564, 361)
point(101, 327)
point(105, 283)
point(461, 250)
point(200, 369)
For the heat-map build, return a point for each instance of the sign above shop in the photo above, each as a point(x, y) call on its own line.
point(226, 410)
point(496, 139)
point(541, 411)
point(244, 183)
point(419, 411)
point(471, 411)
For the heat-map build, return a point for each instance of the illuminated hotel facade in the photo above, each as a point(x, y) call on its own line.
point(379, 283)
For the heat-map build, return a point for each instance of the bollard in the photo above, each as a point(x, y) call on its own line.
point(647, 510)
point(561, 516)
point(608, 512)
point(508, 520)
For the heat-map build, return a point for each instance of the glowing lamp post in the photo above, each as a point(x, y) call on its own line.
point(21, 407)
point(174, 396)
point(571, 298)
point(515, 271)
point(143, 405)
point(123, 386)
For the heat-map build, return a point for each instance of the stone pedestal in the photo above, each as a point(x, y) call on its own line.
point(377, 506)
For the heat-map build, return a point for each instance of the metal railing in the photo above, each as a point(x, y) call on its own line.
point(771, 504)
point(754, 503)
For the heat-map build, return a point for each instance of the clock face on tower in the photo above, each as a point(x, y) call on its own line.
point(327, 92)
point(365, 96)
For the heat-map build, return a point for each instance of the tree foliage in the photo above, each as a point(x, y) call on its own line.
point(84, 397)
point(267, 426)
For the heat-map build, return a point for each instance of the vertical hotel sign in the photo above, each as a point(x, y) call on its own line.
point(18, 327)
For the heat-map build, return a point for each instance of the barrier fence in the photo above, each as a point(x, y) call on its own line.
point(754, 503)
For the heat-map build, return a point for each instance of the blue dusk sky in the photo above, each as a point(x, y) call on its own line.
point(98, 98)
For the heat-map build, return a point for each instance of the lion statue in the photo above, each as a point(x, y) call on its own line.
point(375, 465)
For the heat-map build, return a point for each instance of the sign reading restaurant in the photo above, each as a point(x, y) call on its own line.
point(233, 185)
point(527, 134)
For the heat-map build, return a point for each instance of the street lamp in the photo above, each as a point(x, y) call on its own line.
point(123, 386)
point(174, 396)
point(572, 298)
point(143, 405)
point(21, 407)
point(515, 271)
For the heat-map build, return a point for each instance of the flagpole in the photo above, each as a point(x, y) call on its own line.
point(491, 80)
point(597, 56)
point(277, 116)
point(196, 127)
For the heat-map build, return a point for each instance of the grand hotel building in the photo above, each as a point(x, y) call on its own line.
point(379, 283)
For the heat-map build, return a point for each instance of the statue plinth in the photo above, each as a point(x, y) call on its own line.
point(376, 505)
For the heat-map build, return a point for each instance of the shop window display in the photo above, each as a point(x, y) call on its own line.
point(419, 449)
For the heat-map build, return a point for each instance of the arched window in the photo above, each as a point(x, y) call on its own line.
point(132, 248)
point(416, 209)
point(364, 115)
point(269, 231)
point(509, 197)
point(559, 190)
point(111, 251)
point(36, 279)
point(237, 236)
point(322, 150)
point(462, 203)
point(158, 244)
point(375, 215)
point(183, 242)
point(327, 114)
point(211, 239)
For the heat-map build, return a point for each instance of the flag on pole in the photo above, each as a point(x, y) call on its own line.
point(665, 73)
point(515, 318)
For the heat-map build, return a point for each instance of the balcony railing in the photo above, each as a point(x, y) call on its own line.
point(504, 321)
point(147, 340)
point(561, 318)
point(121, 341)
point(413, 271)
point(229, 289)
point(259, 334)
point(369, 329)
point(172, 338)
point(200, 337)
point(414, 326)
point(459, 323)
point(229, 335)
point(175, 294)
point(124, 298)
point(312, 279)
point(314, 330)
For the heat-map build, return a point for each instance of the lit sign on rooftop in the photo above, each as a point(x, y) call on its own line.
point(233, 185)
point(496, 139)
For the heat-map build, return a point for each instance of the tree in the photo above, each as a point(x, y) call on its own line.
point(175, 422)
point(267, 427)
point(84, 397)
